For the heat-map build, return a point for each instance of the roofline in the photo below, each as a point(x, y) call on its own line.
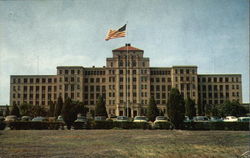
point(219, 74)
point(32, 75)
point(69, 66)
point(160, 67)
point(183, 66)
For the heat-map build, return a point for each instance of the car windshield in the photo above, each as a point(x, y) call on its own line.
point(38, 119)
point(122, 118)
point(140, 118)
point(161, 118)
point(81, 117)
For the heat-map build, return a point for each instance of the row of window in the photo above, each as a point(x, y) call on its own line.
point(185, 71)
point(160, 88)
point(185, 79)
point(205, 102)
point(77, 72)
point(34, 80)
point(218, 87)
point(34, 96)
point(160, 72)
point(221, 95)
point(157, 80)
point(67, 72)
point(219, 79)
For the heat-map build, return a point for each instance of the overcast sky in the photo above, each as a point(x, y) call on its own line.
point(36, 36)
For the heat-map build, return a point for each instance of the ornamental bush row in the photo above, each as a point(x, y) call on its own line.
point(21, 125)
point(2, 125)
point(233, 126)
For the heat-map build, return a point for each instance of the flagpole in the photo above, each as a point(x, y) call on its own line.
point(127, 70)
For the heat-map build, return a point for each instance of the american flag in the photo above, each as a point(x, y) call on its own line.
point(121, 32)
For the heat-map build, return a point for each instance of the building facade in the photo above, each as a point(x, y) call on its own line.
point(126, 82)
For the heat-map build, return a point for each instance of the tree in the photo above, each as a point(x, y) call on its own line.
point(71, 109)
point(7, 112)
point(190, 108)
point(68, 113)
point(80, 108)
point(25, 109)
point(100, 109)
point(152, 111)
point(231, 108)
point(15, 110)
point(37, 110)
point(59, 106)
point(176, 108)
point(51, 108)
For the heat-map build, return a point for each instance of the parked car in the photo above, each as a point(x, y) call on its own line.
point(100, 118)
point(187, 119)
point(10, 118)
point(230, 119)
point(160, 119)
point(215, 119)
point(140, 119)
point(81, 118)
point(244, 119)
point(200, 119)
point(26, 118)
point(60, 119)
point(112, 118)
point(122, 119)
point(39, 119)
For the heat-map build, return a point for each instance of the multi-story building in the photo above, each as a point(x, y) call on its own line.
point(126, 82)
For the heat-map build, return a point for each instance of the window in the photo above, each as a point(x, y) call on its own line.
point(120, 72)
point(134, 72)
point(181, 71)
point(25, 80)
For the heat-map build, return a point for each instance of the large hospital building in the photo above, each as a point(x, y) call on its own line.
point(126, 78)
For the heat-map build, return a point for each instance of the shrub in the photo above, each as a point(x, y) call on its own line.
point(235, 126)
point(2, 125)
point(79, 125)
point(101, 125)
point(24, 125)
point(163, 125)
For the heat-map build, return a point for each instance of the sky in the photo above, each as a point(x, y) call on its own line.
point(38, 35)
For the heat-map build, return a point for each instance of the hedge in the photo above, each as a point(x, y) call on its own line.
point(2, 125)
point(119, 125)
point(163, 125)
point(24, 125)
point(234, 126)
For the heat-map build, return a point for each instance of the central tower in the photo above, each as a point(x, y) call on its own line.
point(128, 73)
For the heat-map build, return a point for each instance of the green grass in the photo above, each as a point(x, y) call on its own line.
point(123, 143)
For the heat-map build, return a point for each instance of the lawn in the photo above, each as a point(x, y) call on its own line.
point(123, 143)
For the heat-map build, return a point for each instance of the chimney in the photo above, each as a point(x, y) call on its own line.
point(127, 44)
